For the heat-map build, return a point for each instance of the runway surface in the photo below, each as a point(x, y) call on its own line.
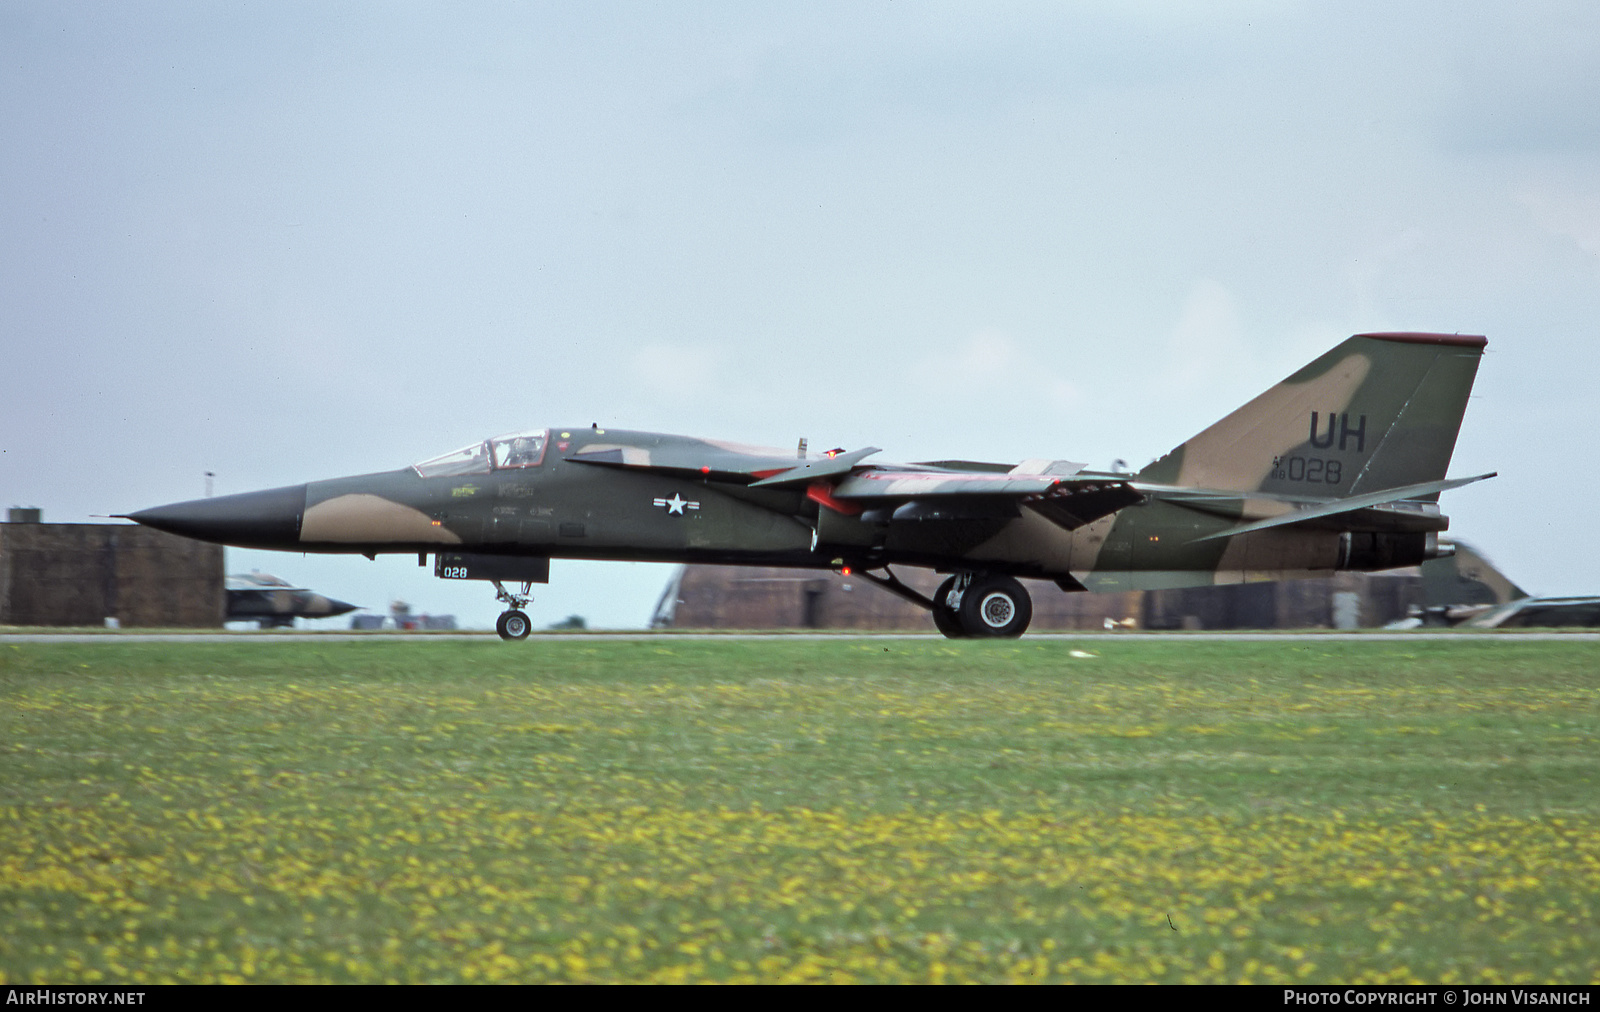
point(1374, 636)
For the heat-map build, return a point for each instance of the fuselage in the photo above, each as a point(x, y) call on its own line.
point(620, 495)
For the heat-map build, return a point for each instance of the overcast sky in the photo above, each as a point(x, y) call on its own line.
point(285, 241)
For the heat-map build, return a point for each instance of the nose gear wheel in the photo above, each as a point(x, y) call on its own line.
point(513, 623)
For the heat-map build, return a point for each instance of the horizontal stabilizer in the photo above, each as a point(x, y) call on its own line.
point(1352, 504)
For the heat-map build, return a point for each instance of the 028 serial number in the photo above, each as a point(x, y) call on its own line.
point(453, 573)
point(1308, 469)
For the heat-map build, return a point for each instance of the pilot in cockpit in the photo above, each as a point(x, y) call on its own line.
point(520, 450)
point(523, 452)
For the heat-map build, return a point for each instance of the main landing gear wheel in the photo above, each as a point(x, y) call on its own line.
point(995, 606)
point(513, 625)
point(945, 618)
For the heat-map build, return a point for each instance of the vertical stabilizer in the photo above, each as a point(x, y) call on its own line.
point(1379, 411)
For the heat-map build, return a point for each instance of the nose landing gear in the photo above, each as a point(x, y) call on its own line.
point(513, 623)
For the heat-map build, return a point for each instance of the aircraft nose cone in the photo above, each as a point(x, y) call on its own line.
point(269, 519)
point(328, 607)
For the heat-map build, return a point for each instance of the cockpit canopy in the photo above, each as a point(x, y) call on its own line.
point(519, 449)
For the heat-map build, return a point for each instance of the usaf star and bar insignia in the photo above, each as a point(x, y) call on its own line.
point(677, 504)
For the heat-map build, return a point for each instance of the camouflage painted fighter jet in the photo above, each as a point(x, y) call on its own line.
point(1466, 590)
point(274, 603)
point(1340, 466)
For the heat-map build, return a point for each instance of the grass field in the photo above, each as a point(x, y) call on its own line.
point(780, 810)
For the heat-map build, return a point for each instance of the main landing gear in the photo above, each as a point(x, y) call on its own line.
point(979, 605)
point(968, 605)
point(513, 623)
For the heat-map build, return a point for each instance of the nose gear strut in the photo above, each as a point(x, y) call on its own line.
point(513, 623)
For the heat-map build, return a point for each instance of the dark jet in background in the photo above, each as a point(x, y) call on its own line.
point(1540, 613)
point(1460, 587)
point(1338, 467)
point(273, 603)
point(1466, 590)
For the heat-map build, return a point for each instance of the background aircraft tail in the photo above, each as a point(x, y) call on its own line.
point(1379, 411)
point(1466, 578)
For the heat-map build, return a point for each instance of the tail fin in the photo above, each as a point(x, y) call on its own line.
point(1379, 411)
point(1465, 577)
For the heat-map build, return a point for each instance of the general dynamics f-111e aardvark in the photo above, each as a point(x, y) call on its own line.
point(1340, 466)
